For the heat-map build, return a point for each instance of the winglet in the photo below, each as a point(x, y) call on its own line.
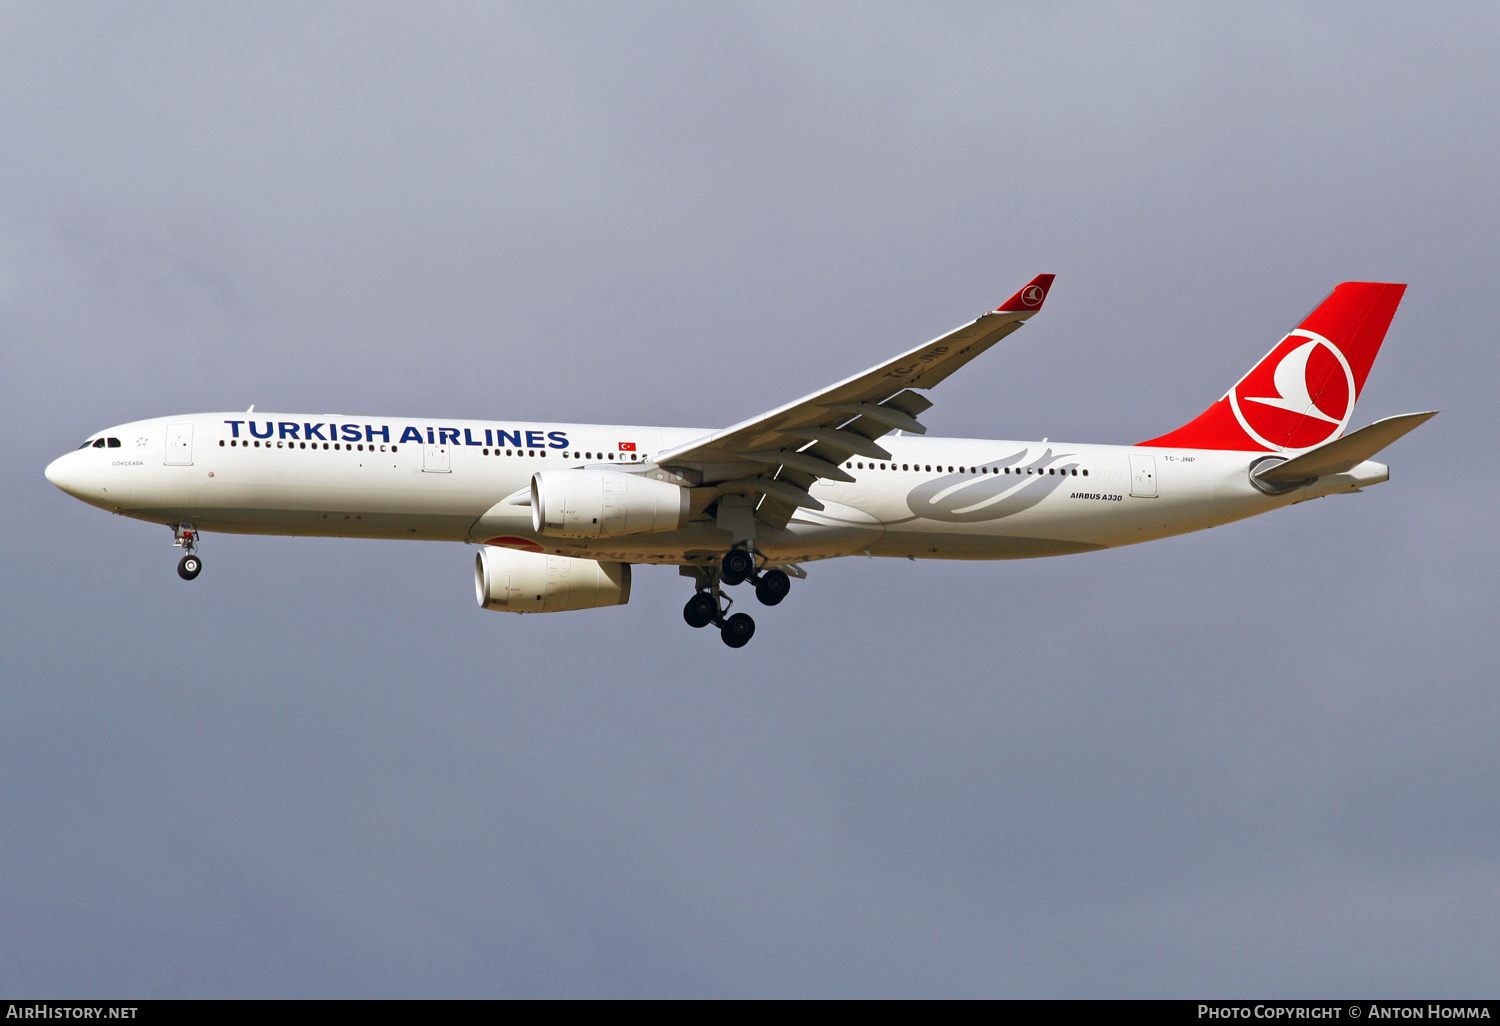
point(1030, 298)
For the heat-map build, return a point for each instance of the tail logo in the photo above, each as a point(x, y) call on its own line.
point(1032, 295)
point(1299, 396)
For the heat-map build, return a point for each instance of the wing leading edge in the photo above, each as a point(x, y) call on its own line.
point(779, 455)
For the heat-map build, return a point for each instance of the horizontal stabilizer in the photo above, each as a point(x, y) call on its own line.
point(1344, 453)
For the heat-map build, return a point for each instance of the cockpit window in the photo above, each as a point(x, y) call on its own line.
point(87, 443)
point(114, 443)
point(98, 443)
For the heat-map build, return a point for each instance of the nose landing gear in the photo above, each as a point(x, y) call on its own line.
point(185, 537)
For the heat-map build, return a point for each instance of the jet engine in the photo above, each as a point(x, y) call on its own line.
point(534, 582)
point(604, 504)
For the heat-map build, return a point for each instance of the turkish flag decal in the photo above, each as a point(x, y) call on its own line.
point(627, 447)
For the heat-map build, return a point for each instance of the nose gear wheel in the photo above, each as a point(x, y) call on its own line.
point(185, 537)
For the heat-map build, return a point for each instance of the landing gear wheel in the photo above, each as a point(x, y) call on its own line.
point(189, 567)
point(772, 587)
point(700, 610)
point(736, 565)
point(737, 630)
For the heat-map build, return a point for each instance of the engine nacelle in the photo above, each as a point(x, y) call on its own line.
point(604, 504)
point(534, 582)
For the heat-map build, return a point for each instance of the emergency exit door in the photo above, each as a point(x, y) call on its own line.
point(1143, 475)
point(437, 459)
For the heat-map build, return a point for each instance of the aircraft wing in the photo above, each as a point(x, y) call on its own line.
point(780, 454)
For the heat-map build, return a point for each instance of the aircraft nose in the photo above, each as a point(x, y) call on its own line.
point(65, 473)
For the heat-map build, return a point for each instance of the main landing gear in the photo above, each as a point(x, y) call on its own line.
point(186, 537)
point(709, 605)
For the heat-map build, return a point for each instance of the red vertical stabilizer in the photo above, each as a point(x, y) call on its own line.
point(1302, 393)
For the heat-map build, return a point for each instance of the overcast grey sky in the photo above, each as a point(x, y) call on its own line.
point(1256, 760)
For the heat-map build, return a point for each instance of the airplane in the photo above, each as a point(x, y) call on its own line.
point(561, 512)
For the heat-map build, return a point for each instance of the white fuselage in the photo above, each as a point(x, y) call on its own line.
point(936, 498)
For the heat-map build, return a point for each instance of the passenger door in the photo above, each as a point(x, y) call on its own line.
point(179, 445)
point(1143, 475)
